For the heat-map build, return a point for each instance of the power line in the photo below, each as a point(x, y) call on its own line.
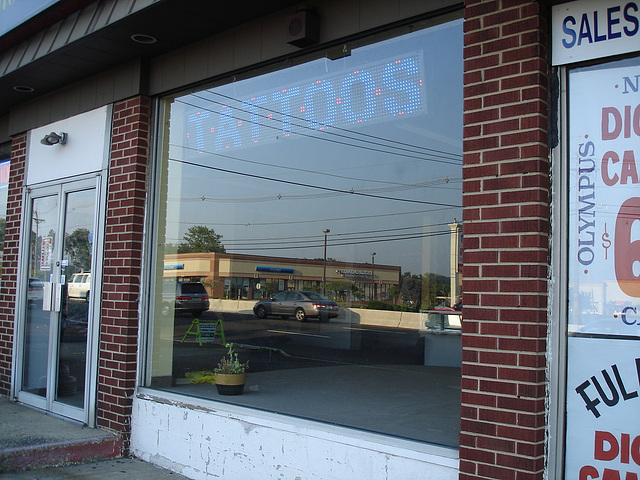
point(317, 187)
point(370, 138)
point(320, 220)
point(314, 238)
point(304, 170)
point(352, 238)
point(365, 147)
point(289, 168)
point(343, 243)
point(280, 196)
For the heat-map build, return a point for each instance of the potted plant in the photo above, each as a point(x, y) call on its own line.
point(230, 374)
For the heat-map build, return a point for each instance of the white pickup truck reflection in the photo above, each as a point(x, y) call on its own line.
point(78, 286)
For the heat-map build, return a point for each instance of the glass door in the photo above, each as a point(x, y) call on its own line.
point(59, 312)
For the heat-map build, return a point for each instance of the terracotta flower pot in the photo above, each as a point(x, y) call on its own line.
point(230, 384)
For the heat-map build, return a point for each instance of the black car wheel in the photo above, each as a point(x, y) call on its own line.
point(300, 315)
point(261, 312)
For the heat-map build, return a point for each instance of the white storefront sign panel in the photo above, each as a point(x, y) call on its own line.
point(85, 151)
point(589, 29)
point(604, 202)
point(603, 405)
point(603, 364)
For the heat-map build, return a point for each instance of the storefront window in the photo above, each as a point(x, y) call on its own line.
point(336, 178)
point(603, 345)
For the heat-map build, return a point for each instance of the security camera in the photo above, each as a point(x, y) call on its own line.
point(54, 138)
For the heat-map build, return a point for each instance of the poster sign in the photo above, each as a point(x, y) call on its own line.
point(603, 362)
point(208, 332)
point(603, 405)
point(589, 29)
point(45, 253)
point(604, 201)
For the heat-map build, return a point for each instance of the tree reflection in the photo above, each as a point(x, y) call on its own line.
point(77, 247)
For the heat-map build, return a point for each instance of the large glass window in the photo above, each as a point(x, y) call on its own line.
point(603, 329)
point(319, 206)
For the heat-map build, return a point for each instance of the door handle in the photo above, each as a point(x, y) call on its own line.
point(57, 300)
point(51, 297)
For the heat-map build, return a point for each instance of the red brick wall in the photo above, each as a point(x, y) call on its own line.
point(10, 259)
point(506, 226)
point(123, 262)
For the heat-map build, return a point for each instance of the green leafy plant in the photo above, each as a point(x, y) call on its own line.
point(229, 364)
point(203, 376)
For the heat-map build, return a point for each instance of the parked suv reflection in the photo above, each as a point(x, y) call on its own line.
point(185, 297)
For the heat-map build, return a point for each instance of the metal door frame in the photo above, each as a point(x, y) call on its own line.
point(61, 188)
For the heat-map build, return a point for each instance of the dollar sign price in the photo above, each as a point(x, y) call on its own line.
point(606, 243)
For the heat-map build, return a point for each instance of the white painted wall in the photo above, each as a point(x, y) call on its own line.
point(204, 440)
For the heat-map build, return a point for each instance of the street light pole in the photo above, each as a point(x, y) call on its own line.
point(324, 271)
point(373, 281)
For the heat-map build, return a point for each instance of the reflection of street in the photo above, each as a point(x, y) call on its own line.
point(71, 374)
point(36, 346)
point(73, 352)
point(363, 376)
point(75, 313)
point(296, 343)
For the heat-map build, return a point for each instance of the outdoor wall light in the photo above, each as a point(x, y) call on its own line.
point(54, 138)
point(143, 38)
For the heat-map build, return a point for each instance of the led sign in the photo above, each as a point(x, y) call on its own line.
point(373, 92)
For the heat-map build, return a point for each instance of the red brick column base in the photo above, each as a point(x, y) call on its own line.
point(122, 263)
point(10, 259)
point(506, 225)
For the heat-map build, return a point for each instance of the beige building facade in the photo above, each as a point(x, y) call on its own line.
point(243, 277)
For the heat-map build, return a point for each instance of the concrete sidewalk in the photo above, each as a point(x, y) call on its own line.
point(122, 468)
point(36, 445)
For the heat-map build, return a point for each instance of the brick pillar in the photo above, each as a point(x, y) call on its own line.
point(122, 263)
point(506, 226)
point(10, 259)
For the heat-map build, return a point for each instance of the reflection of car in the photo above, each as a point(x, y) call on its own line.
point(36, 290)
point(78, 286)
point(188, 297)
point(442, 318)
point(299, 304)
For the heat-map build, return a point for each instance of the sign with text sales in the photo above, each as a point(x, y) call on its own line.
point(589, 29)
